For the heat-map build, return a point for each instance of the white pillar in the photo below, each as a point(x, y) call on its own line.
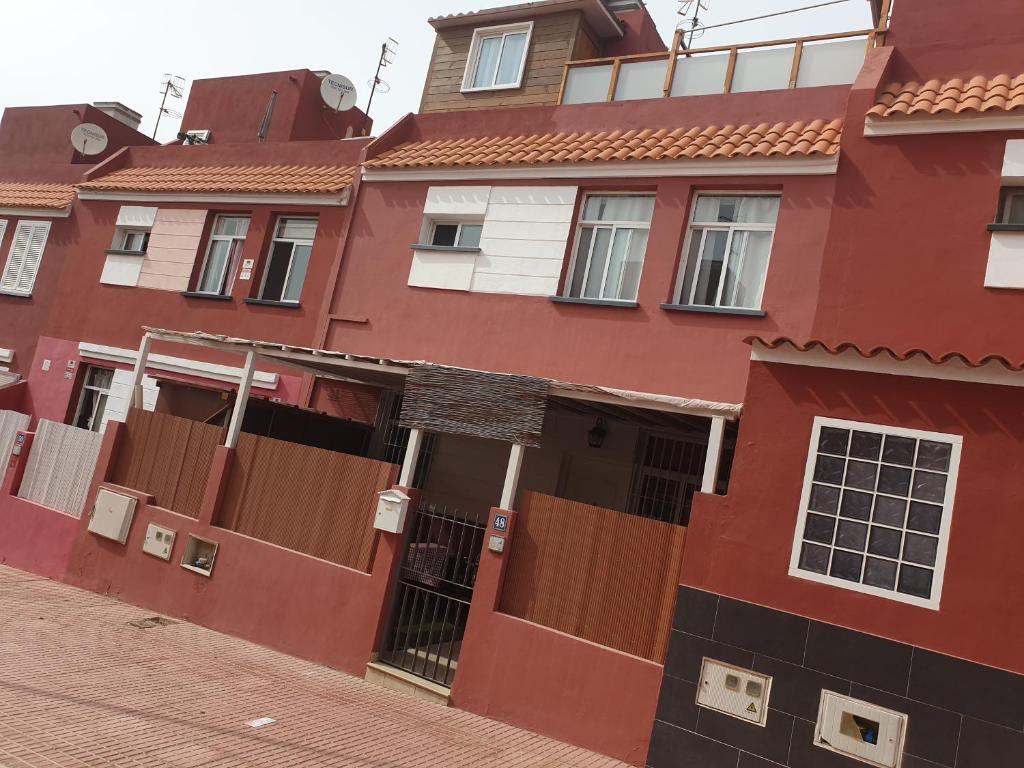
point(140, 371)
point(242, 399)
point(412, 457)
point(714, 455)
point(515, 466)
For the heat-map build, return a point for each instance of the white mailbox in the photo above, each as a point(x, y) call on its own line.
point(863, 731)
point(392, 506)
point(112, 515)
point(740, 693)
point(159, 541)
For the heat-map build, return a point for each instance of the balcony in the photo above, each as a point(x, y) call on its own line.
point(802, 62)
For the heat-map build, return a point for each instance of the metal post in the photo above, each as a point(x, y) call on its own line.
point(412, 457)
point(139, 372)
point(515, 466)
point(714, 455)
point(241, 400)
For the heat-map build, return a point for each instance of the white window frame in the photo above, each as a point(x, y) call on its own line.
point(10, 255)
point(291, 258)
point(125, 232)
point(615, 226)
point(956, 441)
point(459, 224)
point(692, 224)
point(502, 31)
point(96, 417)
point(1010, 194)
point(225, 290)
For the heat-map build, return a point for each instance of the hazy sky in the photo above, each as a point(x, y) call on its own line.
point(118, 50)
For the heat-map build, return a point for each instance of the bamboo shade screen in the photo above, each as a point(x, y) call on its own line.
point(309, 500)
point(60, 467)
point(167, 457)
point(594, 573)
point(457, 401)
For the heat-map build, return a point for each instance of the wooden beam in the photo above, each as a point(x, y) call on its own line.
point(673, 57)
point(614, 81)
point(794, 73)
point(730, 70)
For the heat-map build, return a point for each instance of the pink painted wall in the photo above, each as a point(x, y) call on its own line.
point(12, 397)
point(49, 392)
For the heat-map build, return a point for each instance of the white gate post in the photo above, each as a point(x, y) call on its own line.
point(140, 370)
point(714, 454)
point(515, 466)
point(412, 457)
point(241, 400)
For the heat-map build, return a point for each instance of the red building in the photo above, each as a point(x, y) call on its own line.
point(670, 360)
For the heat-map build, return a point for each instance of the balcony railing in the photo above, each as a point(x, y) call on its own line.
point(799, 62)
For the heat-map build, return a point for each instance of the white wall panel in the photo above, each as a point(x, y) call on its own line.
point(121, 270)
point(120, 398)
point(456, 201)
point(173, 244)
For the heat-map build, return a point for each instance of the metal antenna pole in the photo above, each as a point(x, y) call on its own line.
point(160, 113)
point(376, 82)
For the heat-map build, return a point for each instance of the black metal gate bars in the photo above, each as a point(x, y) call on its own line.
point(435, 588)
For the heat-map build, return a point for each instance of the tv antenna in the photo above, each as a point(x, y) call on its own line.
point(693, 25)
point(388, 51)
point(173, 88)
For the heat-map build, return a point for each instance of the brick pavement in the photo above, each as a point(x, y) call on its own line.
point(81, 687)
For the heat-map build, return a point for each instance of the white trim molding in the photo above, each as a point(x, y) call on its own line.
point(916, 366)
point(817, 165)
point(913, 126)
point(45, 213)
point(334, 199)
point(180, 365)
point(873, 521)
point(6, 355)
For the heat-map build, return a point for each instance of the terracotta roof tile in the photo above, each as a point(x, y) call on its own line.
point(980, 94)
point(42, 196)
point(266, 179)
point(819, 137)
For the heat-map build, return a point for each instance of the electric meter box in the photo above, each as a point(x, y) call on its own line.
point(734, 691)
point(865, 732)
point(392, 507)
point(159, 541)
point(112, 515)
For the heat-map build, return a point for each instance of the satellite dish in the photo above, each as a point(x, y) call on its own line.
point(338, 92)
point(89, 138)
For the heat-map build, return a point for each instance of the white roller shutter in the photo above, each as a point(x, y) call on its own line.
point(23, 259)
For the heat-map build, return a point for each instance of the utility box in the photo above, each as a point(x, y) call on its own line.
point(734, 691)
point(159, 541)
point(865, 732)
point(112, 515)
point(392, 507)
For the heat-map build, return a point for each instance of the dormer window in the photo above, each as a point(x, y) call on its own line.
point(497, 57)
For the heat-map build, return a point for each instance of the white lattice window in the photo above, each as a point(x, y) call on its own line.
point(876, 508)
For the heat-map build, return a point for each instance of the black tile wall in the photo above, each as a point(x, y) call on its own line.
point(960, 714)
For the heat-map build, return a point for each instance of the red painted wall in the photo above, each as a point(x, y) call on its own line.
point(739, 545)
point(12, 397)
point(641, 36)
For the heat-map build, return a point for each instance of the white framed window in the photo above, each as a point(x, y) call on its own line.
point(222, 254)
point(27, 246)
point(728, 245)
point(497, 57)
point(134, 240)
point(1013, 206)
point(456, 234)
point(288, 259)
point(611, 240)
point(92, 403)
point(876, 509)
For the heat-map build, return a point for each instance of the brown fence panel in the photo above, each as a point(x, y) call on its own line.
point(306, 499)
point(167, 457)
point(595, 573)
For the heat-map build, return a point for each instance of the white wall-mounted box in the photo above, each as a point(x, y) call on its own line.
point(159, 541)
point(199, 555)
point(392, 507)
point(734, 691)
point(112, 515)
point(860, 730)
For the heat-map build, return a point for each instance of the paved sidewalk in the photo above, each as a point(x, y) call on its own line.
point(80, 687)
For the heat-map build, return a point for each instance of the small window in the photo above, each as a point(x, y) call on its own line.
point(92, 403)
point(726, 257)
point(456, 235)
point(610, 245)
point(1013, 207)
point(288, 259)
point(497, 57)
point(134, 240)
point(875, 510)
point(223, 254)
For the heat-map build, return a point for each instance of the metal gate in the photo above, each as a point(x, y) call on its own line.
point(435, 588)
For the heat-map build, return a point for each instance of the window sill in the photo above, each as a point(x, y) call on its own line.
point(1006, 227)
point(15, 294)
point(270, 303)
point(595, 302)
point(119, 252)
point(201, 295)
point(488, 88)
point(715, 310)
point(445, 248)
